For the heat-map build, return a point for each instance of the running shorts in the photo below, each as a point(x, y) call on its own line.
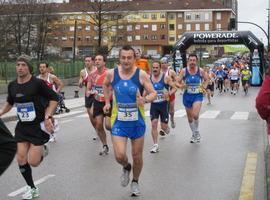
point(189, 99)
point(159, 109)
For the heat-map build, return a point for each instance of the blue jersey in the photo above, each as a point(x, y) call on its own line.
point(193, 82)
point(160, 88)
point(128, 120)
point(220, 74)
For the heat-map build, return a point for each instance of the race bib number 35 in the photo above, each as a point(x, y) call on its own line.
point(193, 90)
point(26, 111)
point(127, 114)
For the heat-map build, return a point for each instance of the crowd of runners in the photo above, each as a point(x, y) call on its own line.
point(114, 101)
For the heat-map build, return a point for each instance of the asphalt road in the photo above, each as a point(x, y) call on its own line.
point(227, 164)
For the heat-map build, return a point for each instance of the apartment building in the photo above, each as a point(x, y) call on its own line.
point(153, 26)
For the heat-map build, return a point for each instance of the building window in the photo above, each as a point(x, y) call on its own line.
point(138, 27)
point(171, 27)
point(64, 38)
point(87, 38)
point(71, 17)
point(145, 37)
point(96, 38)
point(162, 26)
point(171, 16)
point(188, 27)
point(113, 28)
point(96, 28)
point(79, 38)
point(120, 37)
point(218, 16)
point(71, 28)
point(153, 16)
point(180, 15)
point(197, 17)
point(179, 36)
point(137, 37)
point(129, 27)
point(197, 27)
point(206, 27)
point(206, 16)
point(79, 17)
point(188, 16)
point(163, 37)
point(145, 26)
point(218, 27)
point(154, 27)
point(162, 15)
point(129, 38)
point(55, 38)
point(145, 16)
point(120, 27)
point(180, 26)
point(87, 18)
point(71, 38)
point(153, 37)
point(87, 27)
point(171, 38)
point(79, 28)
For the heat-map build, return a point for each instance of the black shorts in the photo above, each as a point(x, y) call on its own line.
point(160, 109)
point(89, 101)
point(234, 81)
point(211, 87)
point(98, 109)
point(31, 133)
point(244, 82)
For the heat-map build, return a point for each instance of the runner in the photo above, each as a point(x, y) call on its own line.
point(226, 79)
point(29, 94)
point(95, 81)
point(220, 78)
point(128, 82)
point(89, 97)
point(159, 107)
point(141, 63)
point(211, 84)
point(168, 71)
point(234, 75)
point(245, 77)
point(195, 83)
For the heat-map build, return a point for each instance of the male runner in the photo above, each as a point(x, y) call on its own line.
point(35, 103)
point(128, 83)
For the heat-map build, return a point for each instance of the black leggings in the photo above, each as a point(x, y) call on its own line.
point(8, 147)
point(220, 85)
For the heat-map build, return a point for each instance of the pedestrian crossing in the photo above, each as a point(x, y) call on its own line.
point(207, 114)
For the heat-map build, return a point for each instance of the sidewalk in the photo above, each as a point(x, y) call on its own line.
point(70, 101)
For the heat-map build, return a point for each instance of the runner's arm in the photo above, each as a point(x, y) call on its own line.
point(7, 107)
point(171, 83)
point(107, 87)
point(179, 80)
point(89, 86)
point(205, 79)
point(148, 86)
point(58, 83)
point(81, 79)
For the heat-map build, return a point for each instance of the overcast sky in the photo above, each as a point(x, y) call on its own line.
point(253, 11)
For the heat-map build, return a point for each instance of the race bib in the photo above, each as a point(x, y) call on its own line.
point(26, 111)
point(128, 113)
point(193, 90)
point(160, 97)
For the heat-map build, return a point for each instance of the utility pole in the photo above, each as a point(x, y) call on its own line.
point(74, 41)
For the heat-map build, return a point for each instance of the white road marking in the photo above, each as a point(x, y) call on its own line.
point(210, 114)
point(85, 115)
point(37, 182)
point(240, 116)
point(68, 114)
point(180, 113)
point(66, 121)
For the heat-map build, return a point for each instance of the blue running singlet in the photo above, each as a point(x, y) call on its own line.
point(128, 120)
point(193, 91)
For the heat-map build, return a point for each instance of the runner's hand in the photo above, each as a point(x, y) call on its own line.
point(166, 95)
point(106, 108)
point(49, 125)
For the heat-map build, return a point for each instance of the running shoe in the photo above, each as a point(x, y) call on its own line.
point(125, 177)
point(134, 188)
point(104, 150)
point(52, 138)
point(162, 132)
point(45, 151)
point(35, 192)
point(154, 149)
point(198, 138)
point(193, 139)
point(172, 124)
point(30, 193)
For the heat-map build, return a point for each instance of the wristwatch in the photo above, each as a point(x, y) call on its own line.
point(48, 117)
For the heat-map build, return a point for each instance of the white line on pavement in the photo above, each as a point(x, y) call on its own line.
point(180, 113)
point(210, 114)
point(240, 116)
point(37, 182)
point(82, 115)
point(70, 113)
point(66, 121)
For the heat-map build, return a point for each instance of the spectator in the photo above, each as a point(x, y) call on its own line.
point(263, 99)
point(141, 63)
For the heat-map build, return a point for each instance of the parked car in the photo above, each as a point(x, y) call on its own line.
point(205, 55)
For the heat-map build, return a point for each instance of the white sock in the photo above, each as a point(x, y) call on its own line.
point(192, 127)
point(196, 125)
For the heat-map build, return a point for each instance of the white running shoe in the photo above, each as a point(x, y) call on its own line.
point(193, 139)
point(30, 193)
point(154, 149)
point(135, 190)
point(172, 124)
point(125, 177)
point(52, 138)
